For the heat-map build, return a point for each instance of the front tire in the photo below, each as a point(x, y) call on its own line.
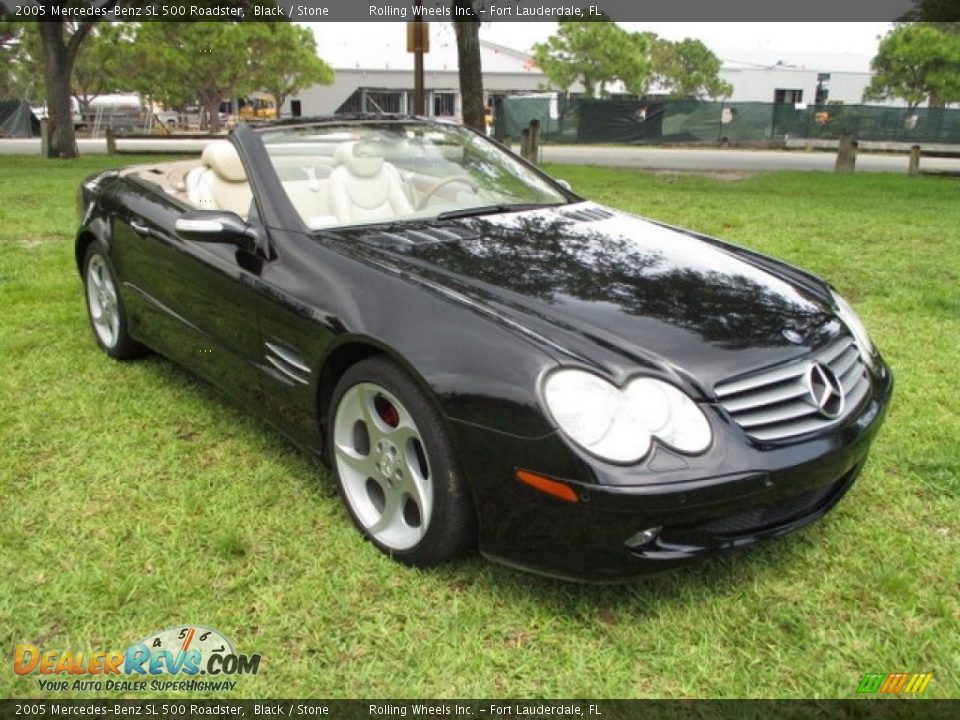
point(108, 320)
point(395, 466)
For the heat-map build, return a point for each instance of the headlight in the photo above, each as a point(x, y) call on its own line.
point(850, 318)
point(619, 424)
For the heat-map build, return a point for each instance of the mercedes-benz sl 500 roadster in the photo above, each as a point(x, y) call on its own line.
point(484, 358)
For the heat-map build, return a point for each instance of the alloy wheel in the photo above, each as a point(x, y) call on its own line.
point(383, 466)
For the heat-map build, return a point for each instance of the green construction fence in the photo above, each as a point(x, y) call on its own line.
point(616, 120)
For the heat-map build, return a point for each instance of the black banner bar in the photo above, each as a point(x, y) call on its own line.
point(444, 10)
point(176, 709)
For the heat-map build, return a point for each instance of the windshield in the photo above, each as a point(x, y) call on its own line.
point(353, 174)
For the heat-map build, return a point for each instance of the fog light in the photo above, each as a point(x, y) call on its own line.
point(644, 537)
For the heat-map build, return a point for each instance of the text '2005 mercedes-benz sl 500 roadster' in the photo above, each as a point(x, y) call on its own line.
point(484, 358)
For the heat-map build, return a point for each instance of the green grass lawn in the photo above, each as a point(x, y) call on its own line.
point(137, 498)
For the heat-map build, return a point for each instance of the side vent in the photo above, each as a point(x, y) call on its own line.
point(287, 363)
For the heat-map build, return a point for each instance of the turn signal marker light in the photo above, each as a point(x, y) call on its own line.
point(548, 486)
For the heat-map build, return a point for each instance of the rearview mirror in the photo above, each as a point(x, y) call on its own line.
point(217, 226)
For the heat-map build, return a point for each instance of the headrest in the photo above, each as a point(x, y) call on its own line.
point(358, 159)
point(222, 157)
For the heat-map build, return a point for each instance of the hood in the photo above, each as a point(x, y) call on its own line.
point(620, 291)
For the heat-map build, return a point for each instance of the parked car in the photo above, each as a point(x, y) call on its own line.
point(483, 357)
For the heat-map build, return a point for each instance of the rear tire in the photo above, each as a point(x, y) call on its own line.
point(108, 319)
point(395, 466)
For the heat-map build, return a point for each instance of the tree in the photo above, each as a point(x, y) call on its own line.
point(595, 53)
point(917, 62)
point(944, 12)
point(21, 61)
point(61, 42)
point(205, 61)
point(601, 53)
point(288, 61)
point(638, 64)
point(9, 48)
point(469, 64)
point(689, 69)
point(101, 65)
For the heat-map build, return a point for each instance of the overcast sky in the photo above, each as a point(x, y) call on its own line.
point(851, 45)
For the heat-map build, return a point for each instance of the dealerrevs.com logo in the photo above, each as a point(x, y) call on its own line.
point(897, 683)
point(183, 652)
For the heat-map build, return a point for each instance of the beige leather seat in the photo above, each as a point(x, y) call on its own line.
point(364, 187)
point(222, 184)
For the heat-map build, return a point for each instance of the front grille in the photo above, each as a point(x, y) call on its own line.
point(774, 404)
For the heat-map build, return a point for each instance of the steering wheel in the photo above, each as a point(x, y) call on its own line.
point(432, 190)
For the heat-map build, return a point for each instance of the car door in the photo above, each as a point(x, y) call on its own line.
point(192, 301)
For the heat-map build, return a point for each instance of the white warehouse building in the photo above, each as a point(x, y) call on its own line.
point(379, 74)
point(380, 77)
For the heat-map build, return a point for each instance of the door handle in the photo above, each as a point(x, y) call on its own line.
point(144, 230)
point(139, 228)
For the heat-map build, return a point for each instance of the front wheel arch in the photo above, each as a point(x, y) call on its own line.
point(339, 361)
point(117, 341)
point(84, 240)
point(445, 510)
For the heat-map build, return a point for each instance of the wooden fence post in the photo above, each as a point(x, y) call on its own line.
point(914, 160)
point(846, 154)
point(111, 142)
point(534, 142)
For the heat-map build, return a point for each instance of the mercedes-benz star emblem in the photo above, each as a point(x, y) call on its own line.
point(826, 392)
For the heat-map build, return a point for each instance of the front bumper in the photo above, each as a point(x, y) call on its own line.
point(737, 494)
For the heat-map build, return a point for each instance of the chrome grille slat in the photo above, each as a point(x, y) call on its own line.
point(789, 430)
point(857, 394)
point(845, 362)
point(774, 395)
point(851, 382)
point(832, 352)
point(776, 414)
point(756, 381)
point(774, 404)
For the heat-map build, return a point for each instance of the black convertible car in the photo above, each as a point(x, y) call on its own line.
point(483, 357)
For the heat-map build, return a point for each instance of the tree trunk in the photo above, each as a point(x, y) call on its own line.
point(471, 74)
point(846, 154)
point(58, 68)
point(84, 102)
point(212, 105)
point(587, 86)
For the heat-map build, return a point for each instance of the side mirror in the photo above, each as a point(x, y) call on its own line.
point(563, 183)
point(217, 226)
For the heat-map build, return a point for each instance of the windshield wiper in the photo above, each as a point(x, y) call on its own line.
point(492, 210)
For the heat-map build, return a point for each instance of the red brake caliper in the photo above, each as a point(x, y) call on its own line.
point(387, 412)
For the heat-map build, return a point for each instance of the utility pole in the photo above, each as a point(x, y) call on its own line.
point(418, 42)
